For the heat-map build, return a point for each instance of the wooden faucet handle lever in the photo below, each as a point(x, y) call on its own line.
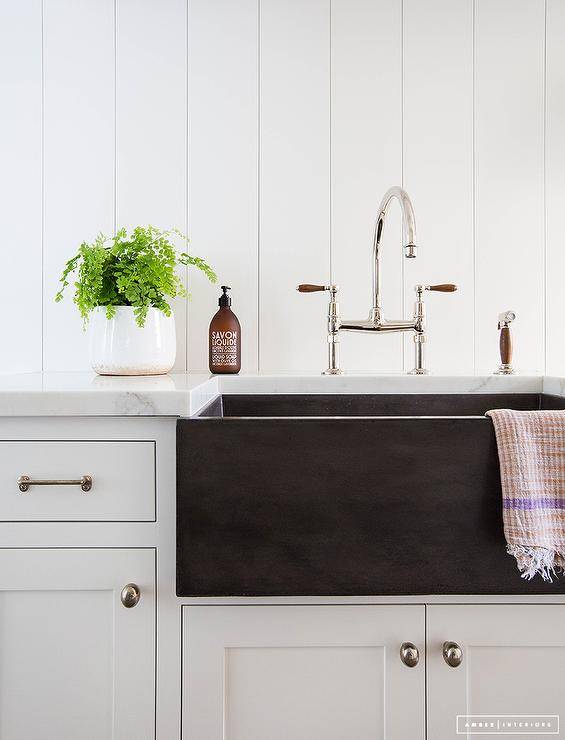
point(309, 288)
point(443, 287)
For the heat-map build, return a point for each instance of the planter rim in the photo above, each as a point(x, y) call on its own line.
point(129, 308)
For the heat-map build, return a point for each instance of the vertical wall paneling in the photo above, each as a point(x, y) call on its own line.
point(20, 185)
point(555, 184)
point(79, 156)
point(438, 174)
point(271, 129)
point(366, 143)
point(294, 182)
point(223, 113)
point(509, 133)
point(151, 109)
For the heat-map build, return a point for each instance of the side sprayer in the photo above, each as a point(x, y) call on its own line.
point(504, 321)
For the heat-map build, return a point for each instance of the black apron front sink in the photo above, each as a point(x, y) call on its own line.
point(334, 496)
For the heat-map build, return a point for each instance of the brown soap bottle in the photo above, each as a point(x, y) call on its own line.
point(224, 338)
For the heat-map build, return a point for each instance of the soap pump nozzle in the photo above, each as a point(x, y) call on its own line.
point(504, 321)
point(224, 300)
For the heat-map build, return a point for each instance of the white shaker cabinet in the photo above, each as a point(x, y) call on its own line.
point(331, 672)
point(512, 663)
point(302, 673)
point(75, 663)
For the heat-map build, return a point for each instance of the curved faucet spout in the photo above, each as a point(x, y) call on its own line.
point(409, 230)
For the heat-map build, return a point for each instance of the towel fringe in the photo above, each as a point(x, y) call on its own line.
point(533, 560)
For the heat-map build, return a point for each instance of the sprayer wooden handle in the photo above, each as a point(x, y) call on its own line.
point(309, 288)
point(505, 346)
point(443, 287)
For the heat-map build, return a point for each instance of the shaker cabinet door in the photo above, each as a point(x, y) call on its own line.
point(75, 664)
point(302, 673)
point(508, 668)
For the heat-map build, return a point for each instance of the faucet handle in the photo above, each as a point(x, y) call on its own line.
point(309, 288)
point(442, 287)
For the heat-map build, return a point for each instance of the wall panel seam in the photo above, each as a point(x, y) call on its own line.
point(330, 231)
point(187, 186)
point(259, 186)
point(474, 180)
point(42, 187)
point(115, 152)
point(402, 179)
point(544, 187)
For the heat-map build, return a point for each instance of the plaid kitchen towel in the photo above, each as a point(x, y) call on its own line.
point(531, 450)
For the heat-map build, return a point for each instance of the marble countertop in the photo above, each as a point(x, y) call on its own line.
point(87, 394)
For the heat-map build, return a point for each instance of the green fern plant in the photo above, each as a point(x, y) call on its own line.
point(135, 269)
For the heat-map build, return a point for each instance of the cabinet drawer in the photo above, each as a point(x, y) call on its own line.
point(122, 472)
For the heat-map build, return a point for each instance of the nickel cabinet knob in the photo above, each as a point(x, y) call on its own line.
point(452, 654)
point(409, 654)
point(130, 595)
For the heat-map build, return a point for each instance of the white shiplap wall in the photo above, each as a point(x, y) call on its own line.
point(270, 129)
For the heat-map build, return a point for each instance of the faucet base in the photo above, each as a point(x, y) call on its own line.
point(504, 369)
point(332, 371)
point(418, 371)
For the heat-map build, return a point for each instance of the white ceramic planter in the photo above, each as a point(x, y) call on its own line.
point(118, 346)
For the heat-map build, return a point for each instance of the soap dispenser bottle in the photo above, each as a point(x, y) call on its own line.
point(225, 338)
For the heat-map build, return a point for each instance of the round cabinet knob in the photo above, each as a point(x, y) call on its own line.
point(130, 595)
point(452, 654)
point(409, 654)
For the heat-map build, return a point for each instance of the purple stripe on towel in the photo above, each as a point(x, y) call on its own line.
point(545, 502)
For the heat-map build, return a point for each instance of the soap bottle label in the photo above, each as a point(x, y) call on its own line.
point(223, 345)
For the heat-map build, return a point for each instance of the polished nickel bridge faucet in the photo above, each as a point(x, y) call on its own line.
point(376, 321)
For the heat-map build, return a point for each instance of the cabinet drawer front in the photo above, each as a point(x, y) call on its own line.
point(123, 481)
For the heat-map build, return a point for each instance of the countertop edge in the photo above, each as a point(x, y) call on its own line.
point(85, 394)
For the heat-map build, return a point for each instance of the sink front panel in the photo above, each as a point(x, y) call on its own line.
point(342, 506)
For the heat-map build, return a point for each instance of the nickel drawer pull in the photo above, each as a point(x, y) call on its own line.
point(24, 482)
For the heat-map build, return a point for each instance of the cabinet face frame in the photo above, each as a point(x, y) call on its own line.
point(134, 637)
point(210, 632)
